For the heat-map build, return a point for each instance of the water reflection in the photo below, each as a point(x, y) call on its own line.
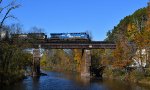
point(36, 82)
point(59, 81)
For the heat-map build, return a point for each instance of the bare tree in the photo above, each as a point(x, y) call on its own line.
point(1, 1)
point(16, 28)
point(36, 30)
point(5, 11)
point(90, 34)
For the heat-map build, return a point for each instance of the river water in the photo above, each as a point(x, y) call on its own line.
point(59, 81)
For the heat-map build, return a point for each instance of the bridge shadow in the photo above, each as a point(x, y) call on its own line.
point(97, 71)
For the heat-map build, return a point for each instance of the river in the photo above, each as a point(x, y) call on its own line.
point(60, 81)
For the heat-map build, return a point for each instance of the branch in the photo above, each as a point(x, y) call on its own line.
point(9, 5)
point(12, 16)
point(1, 1)
point(1, 9)
point(6, 15)
point(4, 8)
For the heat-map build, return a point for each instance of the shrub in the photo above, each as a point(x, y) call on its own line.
point(136, 76)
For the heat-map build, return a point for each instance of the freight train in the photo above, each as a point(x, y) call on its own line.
point(54, 37)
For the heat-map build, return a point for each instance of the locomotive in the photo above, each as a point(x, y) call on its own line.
point(69, 37)
point(40, 36)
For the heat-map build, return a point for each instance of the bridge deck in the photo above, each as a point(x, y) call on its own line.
point(78, 45)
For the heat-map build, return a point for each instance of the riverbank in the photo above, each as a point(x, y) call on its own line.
point(133, 76)
point(9, 79)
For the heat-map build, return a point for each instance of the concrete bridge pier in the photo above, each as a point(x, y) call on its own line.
point(36, 62)
point(86, 63)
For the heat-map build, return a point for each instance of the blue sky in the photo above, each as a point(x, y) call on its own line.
point(96, 16)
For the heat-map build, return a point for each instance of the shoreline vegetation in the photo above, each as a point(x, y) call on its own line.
point(131, 58)
point(13, 63)
point(134, 76)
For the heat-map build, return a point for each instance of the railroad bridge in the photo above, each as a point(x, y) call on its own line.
point(60, 41)
point(86, 52)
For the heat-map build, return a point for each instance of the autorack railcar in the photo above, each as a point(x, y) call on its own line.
point(30, 37)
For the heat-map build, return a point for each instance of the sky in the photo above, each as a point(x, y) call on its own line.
point(58, 16)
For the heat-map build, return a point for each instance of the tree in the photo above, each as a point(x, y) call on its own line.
point(139, 33)
point(6, 10)
point(36, 29)
point(16, 28)
point(90, 34)
point(78, 58)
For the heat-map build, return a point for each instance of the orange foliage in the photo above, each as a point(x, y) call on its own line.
point(121, 55)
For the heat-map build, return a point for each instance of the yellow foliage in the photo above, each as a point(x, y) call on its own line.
point(43, 60)
point(78, 58)
point(77, 55)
